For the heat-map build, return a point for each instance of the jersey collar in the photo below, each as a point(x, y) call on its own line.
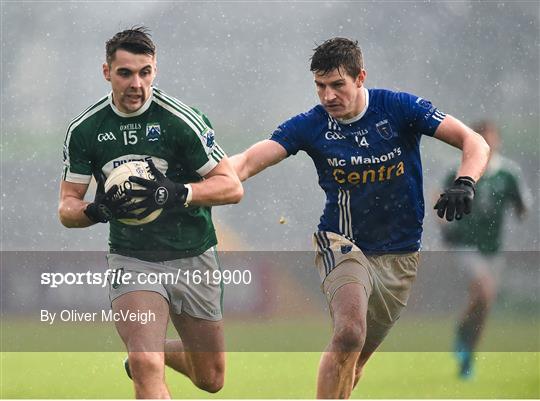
point(359, 116)
point(144, 107)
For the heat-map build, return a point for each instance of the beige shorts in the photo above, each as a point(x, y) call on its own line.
point(387, 279)
point(187, 284)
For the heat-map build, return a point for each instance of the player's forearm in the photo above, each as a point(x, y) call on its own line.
point(258, 157)
point(239, 163)
point(217, 190)
point(71, 213)
point(475, 157)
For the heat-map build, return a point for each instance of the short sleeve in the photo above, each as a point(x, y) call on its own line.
point(289, 136)
point(202, 151)
point(421, 115)
point(77, 164)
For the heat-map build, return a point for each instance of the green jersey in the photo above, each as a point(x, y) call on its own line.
point(499, 189)
point(180, 141)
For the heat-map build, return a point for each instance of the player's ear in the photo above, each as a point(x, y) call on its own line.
point(361, 78)
point(106, 71)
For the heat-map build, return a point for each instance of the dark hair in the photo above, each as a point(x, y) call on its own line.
point(135, 40)
point(335, 53)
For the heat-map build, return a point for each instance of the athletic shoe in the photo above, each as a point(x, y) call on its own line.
point(126, 367)
point(464, 356)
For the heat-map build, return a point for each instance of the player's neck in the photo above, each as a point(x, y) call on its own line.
point(360, 110)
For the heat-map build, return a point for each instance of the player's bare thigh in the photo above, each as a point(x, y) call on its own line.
point(349, 309)
point(142, 336)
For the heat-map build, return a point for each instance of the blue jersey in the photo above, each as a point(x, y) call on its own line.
point(369, 167)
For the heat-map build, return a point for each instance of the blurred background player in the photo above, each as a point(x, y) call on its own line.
point(137, 121)
point(480, 240)
point(365, 146)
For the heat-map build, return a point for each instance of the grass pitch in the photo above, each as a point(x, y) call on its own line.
point(284, 374)
point(275, 375)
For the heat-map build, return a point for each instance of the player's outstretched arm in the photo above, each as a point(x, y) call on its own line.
point(220, 186)
point(457, 199)
point(258, 157)
point(474, 147)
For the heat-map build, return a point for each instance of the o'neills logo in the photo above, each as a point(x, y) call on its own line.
point(130, 126)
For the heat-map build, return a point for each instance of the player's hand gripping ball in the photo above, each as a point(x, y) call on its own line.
point(106, 205)
point(120, 177)
point(160, 192)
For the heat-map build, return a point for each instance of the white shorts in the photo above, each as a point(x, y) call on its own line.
point(187, 284)
point(473, 264)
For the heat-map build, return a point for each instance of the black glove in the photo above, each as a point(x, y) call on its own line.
point(457, 199)
point(106, 205)
point(161, 193)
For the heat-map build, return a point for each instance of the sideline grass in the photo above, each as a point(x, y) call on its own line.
point(425, 334)
point(275, 375)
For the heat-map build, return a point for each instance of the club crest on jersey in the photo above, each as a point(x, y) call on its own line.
point(384, 129)
point(345, 249)
point(153, 131)
point(209, 138)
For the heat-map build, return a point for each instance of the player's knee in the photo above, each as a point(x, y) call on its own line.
point(211, 384)
point(349, 338)
point(145, 365)
point(212, 381)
